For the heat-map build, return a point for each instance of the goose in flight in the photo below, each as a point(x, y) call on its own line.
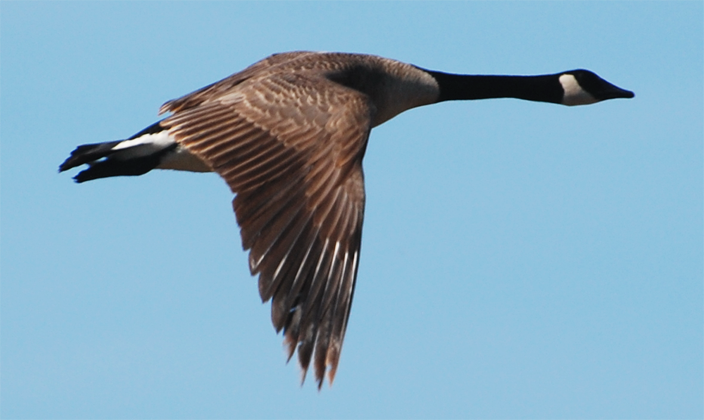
point(288, 135)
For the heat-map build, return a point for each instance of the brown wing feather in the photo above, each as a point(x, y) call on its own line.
point(290, 146)
point(225, 85)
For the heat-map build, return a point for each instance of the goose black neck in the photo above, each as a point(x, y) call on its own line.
point(544, 88)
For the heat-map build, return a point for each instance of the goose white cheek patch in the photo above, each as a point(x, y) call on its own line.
point(574, 94)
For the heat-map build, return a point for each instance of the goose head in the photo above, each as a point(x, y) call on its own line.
point(583, 87)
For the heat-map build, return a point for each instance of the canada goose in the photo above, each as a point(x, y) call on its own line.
point(288, 135)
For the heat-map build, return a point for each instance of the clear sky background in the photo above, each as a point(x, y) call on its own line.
point(519, 260)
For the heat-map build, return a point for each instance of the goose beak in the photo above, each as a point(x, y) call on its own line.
point(610, 91)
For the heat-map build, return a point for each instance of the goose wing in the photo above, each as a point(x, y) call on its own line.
point(219, 88)
point(290, 147)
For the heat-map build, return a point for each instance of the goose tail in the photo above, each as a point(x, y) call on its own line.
point(135, 156)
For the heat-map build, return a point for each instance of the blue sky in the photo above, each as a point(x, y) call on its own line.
point(519, 260)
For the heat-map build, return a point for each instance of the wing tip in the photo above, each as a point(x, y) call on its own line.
point(165, 108)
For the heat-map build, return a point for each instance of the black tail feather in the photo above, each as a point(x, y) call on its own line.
point(105, 161)
point(152, 129)
point(115, 167)
point(88, 153)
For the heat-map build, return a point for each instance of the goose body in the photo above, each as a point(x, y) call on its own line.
point(288, 135)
